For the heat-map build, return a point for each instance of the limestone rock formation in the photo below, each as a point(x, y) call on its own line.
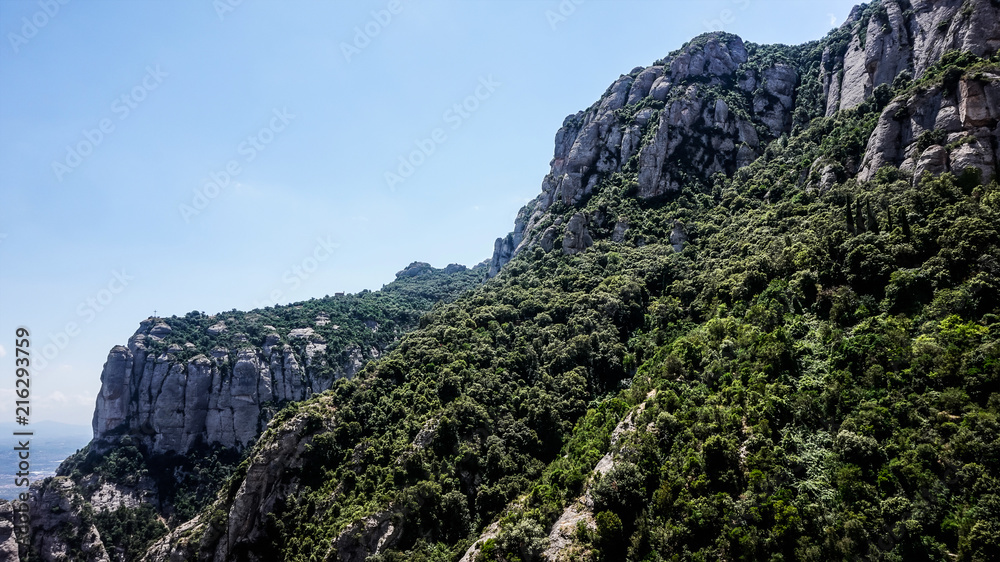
point(577, 238)
point(171, 397)
point(940, 130)
point(273, 473)
point(661, 121)
point(61, 529)
point(171, 404)
point(678, 236)
point(8, 536)
point(899, 35)
point(414, 269)
point(371, 535)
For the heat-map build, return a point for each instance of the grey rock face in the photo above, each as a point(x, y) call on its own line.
point(273, 475)
point(934, 160)
point(577, 237)
point(696, 136)
point(414, 269)
point(269, 480)
point(371, 535)
point(704, 135)
point(898, 37)
point(678, 236)
point(160, 330)
point(57, 524)
point(548, 239)
point(8, 538)
point(775, 104)
point(969, 116)
point(505, 248)
point(170, 405)
point(621, 227)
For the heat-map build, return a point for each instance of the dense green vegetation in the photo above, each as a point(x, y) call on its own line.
point(825, 367)
point(130, 529)
point(182, 485)
point(393, 310)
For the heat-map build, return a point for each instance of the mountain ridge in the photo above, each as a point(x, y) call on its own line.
point(692, 354)
point(876, 43)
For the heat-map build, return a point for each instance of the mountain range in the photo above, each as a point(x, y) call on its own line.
point(753, 314)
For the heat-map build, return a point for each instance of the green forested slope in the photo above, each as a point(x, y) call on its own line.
point(177, 486)
point(826, 367)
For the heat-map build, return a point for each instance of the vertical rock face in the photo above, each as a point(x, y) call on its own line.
point(660, 124)
point(8, 539)
point(61, 530)
point(938, 130)
point(273, 475)
point(577, 237)
point(661, 120)
point(896, 35)
point(170, 404)
point(202, 380)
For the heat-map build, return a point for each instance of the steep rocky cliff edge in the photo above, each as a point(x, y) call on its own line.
point(733, 321)
point(182, 401)
point(713, 105)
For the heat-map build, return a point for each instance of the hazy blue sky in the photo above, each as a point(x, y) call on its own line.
point(115, 118)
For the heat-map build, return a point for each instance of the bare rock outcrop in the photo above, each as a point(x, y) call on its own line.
point(61, 526)
point(658, 123)
point(659, 119)
point(220, 398)
point(577, 238)
point(8, 536)
point(369, 536)
point(274, 472)
point(277, 466)
point(893, 36)
point(562, 536)
point(940, 129)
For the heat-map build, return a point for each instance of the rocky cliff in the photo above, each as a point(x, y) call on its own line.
point(180, 403)
point(62, 525)
point(950, 127)
point(217, 380)
point(895, 36)
point(714, 104)
point(220, 397)
point(443, 435)
point(8, 535)
point(273, 473)
point(704, 109)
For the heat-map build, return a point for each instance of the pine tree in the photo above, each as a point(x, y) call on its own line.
point(872, 223)
point(904, 222)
